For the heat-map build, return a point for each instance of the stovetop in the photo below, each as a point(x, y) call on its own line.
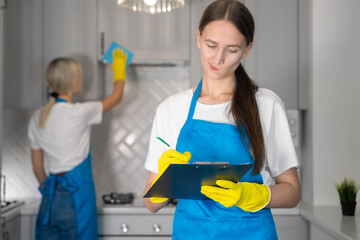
point(8, 205)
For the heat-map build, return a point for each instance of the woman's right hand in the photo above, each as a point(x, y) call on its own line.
point(167, 158)
point(172, 156)
point(119, 65)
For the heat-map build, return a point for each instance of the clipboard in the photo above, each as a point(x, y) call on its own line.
point(185, 180)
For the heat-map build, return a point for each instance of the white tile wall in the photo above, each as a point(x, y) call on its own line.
point(118, 145)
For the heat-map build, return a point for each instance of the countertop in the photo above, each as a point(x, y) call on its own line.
point(331, 220)
point(137, 207)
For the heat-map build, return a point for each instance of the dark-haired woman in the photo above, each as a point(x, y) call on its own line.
point(226, 117)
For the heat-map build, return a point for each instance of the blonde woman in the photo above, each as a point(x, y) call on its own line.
point(59, 134)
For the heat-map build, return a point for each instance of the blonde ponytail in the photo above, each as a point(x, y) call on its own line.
point(44, 114)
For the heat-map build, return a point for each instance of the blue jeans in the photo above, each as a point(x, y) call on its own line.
point(62, 222)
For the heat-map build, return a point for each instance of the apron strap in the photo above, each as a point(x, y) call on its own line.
point(60, 100)
point(194, 101)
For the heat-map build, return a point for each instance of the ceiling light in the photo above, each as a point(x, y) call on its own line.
point(151, 6)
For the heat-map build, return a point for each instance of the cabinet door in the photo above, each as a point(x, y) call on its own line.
point(273, 60)
point(28, 223)
point(291, 227)
point(12, 229)
point(70, 30)
point(23, 86)
point(150, 36)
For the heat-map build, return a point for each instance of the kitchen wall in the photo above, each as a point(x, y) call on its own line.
point(331, 149)
point(119, 145)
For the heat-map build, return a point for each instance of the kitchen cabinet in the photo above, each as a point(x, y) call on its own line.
point(10, 224)
point(135, 226)
point(291, 227)
point(23, 66)
point(28, 223)
point(152, 37)
point(159, 226)
point(276, 60)
point(70, 29)
point(38, 31)
point(11, 229)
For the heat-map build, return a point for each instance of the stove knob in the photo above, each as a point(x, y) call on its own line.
point(157, 228)
point(124, 228)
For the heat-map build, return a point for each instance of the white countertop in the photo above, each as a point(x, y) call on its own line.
point(137, 207)
point(331, 220)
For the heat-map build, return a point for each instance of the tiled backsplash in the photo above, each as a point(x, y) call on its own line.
point(118, 145)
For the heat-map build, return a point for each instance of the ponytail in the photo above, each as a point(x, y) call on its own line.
point(44, 114)
point(245, 111)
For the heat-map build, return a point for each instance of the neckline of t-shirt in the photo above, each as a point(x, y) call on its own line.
point(209, 105)
point(212, 105)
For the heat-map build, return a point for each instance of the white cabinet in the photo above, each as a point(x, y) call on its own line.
point(150, 36)
point(38, 31)
point(28, 223)
point(291, 227)
point(70, 30)
point(140, 226)
point(11, 229)
point(273, 61)
point(23, 66)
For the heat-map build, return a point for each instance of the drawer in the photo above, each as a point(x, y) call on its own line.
point(149, 224)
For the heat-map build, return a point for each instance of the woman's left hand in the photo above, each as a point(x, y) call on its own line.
point(250, 197)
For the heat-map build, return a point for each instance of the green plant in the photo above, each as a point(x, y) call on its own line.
point(347, 190)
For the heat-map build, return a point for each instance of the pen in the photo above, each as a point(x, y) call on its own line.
point(163, 143)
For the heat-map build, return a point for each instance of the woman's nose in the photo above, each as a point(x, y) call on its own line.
point(220, 56)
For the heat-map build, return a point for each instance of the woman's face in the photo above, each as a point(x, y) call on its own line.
point(222, 47)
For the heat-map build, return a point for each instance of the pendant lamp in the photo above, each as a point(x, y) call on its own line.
point(151, 6)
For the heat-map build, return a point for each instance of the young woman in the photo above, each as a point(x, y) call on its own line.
point(226, 117)
point(60, 138)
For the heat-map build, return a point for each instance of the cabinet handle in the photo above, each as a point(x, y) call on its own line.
point(157, 228)
point(124, 228)
point(102, 43)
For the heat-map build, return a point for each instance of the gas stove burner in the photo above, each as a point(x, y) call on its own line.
point(172, 201)
point(118, 198)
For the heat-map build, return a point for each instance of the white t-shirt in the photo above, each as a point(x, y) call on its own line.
point(172, 113)
point(66, 138)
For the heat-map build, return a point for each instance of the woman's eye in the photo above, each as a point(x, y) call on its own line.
point(232, 50)
point(211, 46)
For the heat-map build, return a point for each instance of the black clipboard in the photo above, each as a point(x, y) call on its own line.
point(185, 180)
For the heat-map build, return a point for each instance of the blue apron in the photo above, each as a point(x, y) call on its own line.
point(78, 184)
point(207, 219)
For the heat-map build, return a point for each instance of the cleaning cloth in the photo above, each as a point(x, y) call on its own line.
point(108, 56)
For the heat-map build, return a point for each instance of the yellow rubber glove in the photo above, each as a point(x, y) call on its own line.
point(167, 158)
point(250, 197)
point(119, 65)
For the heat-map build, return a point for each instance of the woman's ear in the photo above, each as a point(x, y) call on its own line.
point(198, 35)
point(247, 50)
